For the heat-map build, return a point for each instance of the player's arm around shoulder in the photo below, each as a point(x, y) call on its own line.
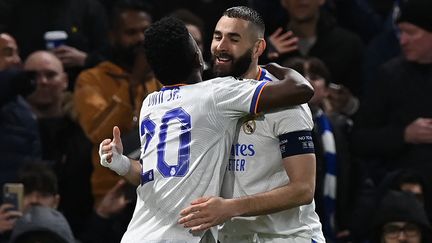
point(292, 89)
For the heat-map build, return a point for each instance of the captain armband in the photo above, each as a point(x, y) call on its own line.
point(295, 143)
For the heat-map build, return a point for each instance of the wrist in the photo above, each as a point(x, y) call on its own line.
point(120, 164)
point(236, 207)
point(101, 213)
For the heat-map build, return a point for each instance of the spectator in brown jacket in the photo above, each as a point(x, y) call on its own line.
point(107, 95)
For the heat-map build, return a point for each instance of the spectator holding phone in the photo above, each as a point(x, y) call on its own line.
point(310, 31)
point(8, 217)
point(19, 140)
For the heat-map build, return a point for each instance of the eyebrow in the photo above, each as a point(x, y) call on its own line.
point(230, 34)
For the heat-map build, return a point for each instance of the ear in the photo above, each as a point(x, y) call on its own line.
point(56, 201)
point(198, 59)
point(65, 81)
point(260, 47)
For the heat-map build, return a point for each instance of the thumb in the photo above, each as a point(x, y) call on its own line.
point(116, 135)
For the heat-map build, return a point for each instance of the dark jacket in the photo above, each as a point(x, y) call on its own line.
point(401, 95)
point(19, 140)
point(83, 20)
point(340, 50)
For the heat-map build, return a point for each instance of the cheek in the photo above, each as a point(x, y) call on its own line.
point(213, 47)
point(48, 202)
point(126, 40)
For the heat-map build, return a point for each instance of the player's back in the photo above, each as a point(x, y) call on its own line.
point(186, 133)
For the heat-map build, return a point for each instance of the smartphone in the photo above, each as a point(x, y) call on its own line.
point(13, 193)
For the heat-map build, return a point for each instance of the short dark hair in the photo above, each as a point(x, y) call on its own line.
point(316, 67)
point(248, 14)
point(37, 176)
point(169, 50)
point(121, 6)
point(189, 18)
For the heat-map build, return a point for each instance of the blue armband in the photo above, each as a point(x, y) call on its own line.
point(294, 143)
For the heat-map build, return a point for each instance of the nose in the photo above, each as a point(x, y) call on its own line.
point(403, 39)
point(222, 45)
point(31, 199)
point(16, 60)
point(140, 37)
point(402, 236)
point(41, 78)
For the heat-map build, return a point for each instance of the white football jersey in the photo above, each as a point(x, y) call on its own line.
point(256, 166)
point(186, 135)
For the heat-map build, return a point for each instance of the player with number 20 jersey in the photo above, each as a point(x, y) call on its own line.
point(166, 121)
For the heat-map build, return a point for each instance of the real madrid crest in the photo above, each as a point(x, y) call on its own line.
point(249, 126)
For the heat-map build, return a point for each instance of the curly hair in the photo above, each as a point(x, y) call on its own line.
point(169, 50)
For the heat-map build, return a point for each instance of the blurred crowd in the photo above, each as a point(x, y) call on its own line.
point(369, 62)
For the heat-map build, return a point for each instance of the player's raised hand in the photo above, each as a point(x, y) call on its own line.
point(111, 154)
point(117, 142)
point(206, 212)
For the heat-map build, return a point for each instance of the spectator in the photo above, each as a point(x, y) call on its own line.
point(62, 139)
point(383, 47)
point(105, 95)
point(330, 136)
point(9, 56)
point(40, 186)
point(40, 189)
point(314, 32)
point(84, 21)
point(42, 224)
point(195, 26)
point(393, 128)
point(19, 140)
point(400, 218)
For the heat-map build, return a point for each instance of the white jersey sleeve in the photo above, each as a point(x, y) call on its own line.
point(282, 121)
point(232, 95)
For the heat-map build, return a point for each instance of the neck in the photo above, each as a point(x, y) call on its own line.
point(47, 111)
point(304, 29)
point(194, 78)
point(253, 71)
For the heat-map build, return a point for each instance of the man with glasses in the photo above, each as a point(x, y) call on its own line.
point(401, 219)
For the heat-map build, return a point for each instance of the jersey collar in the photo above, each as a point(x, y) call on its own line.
point(261, 74)
point(174, 86)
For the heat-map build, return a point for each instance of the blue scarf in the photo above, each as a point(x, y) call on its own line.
point(325, 131)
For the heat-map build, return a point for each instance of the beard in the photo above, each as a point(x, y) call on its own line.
point(238, 67)
point(124, 56)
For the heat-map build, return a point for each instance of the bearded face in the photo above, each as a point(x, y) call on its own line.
point(225, 64)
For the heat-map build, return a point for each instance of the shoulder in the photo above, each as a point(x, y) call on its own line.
point(219, 80)
point(267, 76)
point(103, 71)
point(393, 68)
point(299, 115)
